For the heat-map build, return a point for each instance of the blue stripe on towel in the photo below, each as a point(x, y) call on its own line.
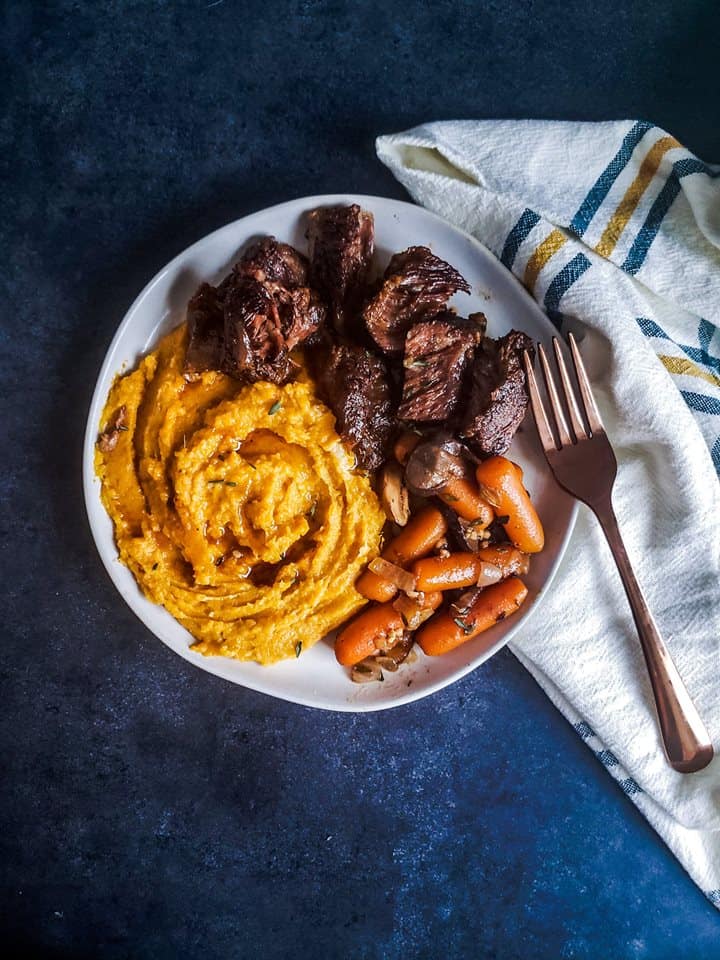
point(664, 200)
point(561, 283)
point(630, 787)
point(519, 233)
point(698, 401)
point(715, 454)
point(690, 165)
point(650, 328)
point(590, 205)
point(607, 757)
point(649, 230)
point(584, 729)
point(714, 897)
point(700, 354)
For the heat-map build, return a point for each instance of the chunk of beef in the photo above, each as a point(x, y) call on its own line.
point(248, 326)
point(355, 385)
point(255, 344)
point(205, 331)
point(417, 285)
point(302, 314)
point(437, 353)
point(497, 395)
point(269, 260)
point(341, 242)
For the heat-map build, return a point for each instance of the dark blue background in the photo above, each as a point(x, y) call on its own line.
point(151, 810)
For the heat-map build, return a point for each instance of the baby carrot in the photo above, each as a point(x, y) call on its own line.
point(444, 632)
point(404, 445)
point(463, 569)
point(418, 538)
point(377, 628)
point(500, 482)
point(462, 495)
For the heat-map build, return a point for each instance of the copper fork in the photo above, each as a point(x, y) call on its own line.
point(583, 462)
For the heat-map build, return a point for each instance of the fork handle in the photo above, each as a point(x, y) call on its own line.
point(686, 741)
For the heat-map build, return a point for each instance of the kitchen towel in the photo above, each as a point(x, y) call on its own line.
point(614, 228)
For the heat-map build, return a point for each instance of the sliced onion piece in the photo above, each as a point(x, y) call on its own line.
point(394, 574)
point(366, 671)
point(413, 610)
point(489, 574)
point(386, 662)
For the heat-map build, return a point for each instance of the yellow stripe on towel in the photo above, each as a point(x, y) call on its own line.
point(625, 209)
point(540, 256)
point(688, 368)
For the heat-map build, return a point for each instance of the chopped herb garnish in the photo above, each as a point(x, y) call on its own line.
point(155, 566)
point(449, 498)
point(275, 407)
point(298, 649)
point(230, 483)
point(215, 481)
point(465, 627)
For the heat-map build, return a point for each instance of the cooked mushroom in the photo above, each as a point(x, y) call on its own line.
point(394, 574)
point(366, 671)
point(107, 441)
point(371, 668)
point(394, 494)
point(430, 467)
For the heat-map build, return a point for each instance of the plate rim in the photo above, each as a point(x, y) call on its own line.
point(214, 665)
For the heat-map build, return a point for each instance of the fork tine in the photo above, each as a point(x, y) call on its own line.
point(591, 411)
point(572, 405)
point(560, 421)
point(541, 421)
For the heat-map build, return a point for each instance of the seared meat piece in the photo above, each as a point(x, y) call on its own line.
point(248, 325)
point(437, 353)
point(255, 345)
point(268, 260)
point(497, 396)
point(301, 312)
point(355, 385)
point(417, 285)
point(341, 242)
point(205, 331)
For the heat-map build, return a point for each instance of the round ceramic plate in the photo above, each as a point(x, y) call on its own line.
point(315, 679)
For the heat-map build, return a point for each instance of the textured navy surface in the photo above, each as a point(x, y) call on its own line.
point(153, 811)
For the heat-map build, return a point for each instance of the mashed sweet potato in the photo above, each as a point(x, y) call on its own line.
point(235, 507)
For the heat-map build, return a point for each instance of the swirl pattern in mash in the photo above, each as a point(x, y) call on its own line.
point(236, 507)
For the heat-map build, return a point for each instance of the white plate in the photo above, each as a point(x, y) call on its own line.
point(315, 679)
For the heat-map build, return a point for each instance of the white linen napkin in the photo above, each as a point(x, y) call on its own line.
point(615, 230)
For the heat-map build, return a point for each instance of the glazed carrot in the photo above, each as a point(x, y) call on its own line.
point(404, 445)
point(376, 588)
point(446, 573)
point(424, 531)
point(462, 495)
point(500, 482)
point(444, 632)
point(463, 569)
point(418, 538)
point(377, 628)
